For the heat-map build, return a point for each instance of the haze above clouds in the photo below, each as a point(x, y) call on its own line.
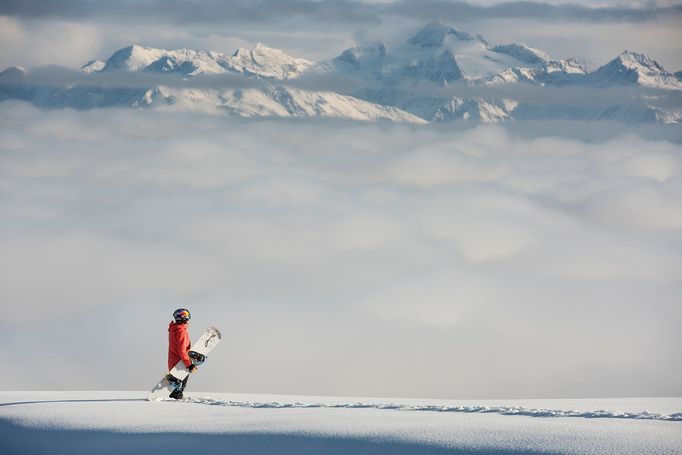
point(340, 258)
point(74, 32)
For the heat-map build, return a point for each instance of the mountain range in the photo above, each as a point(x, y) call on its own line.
point(441, 74)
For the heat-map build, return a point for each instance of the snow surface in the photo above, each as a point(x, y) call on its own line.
point(278, 102)
point(268, 62)
point(114, 422)
point(259, 61)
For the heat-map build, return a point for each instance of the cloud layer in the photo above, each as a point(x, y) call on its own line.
point(339, 258)
point(349, 11)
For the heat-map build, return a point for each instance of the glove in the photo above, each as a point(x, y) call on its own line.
point(192, 368)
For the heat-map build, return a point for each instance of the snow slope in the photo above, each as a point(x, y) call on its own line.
point(115, 422)
point(278, 102)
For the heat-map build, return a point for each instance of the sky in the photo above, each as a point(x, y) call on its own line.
point(337, 258)
point(73, 32)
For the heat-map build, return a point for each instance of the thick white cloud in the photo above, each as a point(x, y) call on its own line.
point(338, 258)
point(34, 43)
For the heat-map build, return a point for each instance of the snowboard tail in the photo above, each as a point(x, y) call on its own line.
point(198, 353)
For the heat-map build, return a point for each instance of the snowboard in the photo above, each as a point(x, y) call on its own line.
point(197, 353)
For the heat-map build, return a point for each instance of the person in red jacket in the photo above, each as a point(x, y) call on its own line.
point(179, 345)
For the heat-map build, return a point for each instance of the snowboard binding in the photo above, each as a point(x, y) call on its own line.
point(197, 358)
point(175, 383)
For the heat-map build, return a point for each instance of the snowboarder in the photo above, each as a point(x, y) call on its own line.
point(179, 345)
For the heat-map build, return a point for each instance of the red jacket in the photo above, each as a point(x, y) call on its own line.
point(178, 345)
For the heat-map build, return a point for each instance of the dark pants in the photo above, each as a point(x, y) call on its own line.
point(177, 393)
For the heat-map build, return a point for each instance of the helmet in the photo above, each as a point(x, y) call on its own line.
point(181, 315)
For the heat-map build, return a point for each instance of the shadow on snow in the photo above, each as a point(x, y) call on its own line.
point(21, 440)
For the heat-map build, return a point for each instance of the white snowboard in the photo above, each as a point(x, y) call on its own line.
point(205, 344)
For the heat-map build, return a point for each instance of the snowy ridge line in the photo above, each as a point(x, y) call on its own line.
point(502, 410)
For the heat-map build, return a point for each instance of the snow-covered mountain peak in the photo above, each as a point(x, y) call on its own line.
point(268, 62)
point(355, 55)
point(93, 66)
point(133, 58)
point(568, 66)
point(524, 53)
point(442, 69)
point(261, 50)
point(635, 68)
point(635, 60)
point(474, 56)
point(260, 61)
point(190, 62)
point(434, 34)
point(13, 75)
